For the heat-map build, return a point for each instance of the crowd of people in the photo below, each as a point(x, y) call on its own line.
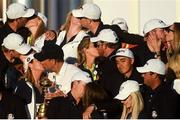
point(87, 69)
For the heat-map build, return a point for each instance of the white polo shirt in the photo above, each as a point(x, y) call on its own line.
point(70, 48)
point(64, 77)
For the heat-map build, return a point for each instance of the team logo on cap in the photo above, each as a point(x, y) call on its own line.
point(120, 23)
point(121, 51)
point(121, 88)
point(115, 36)
point(21, 43)
point(160, 21)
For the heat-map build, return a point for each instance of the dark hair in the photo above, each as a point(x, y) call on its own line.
point(113, 45)
point(94, 93)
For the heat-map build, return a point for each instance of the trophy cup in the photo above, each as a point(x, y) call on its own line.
point(45, 83)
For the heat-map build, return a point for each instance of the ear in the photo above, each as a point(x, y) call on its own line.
point(132, 61)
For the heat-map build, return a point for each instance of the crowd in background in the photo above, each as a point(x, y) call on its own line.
point(87, 69)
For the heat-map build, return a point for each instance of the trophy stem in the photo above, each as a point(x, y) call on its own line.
point(45, 83)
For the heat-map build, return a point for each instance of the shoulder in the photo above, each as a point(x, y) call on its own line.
point(58, 100)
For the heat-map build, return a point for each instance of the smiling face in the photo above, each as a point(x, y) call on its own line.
point(124, 64)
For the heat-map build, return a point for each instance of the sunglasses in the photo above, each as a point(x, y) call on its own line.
point(169, 30)
point(96, 45)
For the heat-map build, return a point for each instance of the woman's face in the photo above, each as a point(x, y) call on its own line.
point(127, 102)
point(170, 34)
point(33, 22)
point(75, 20)
point(36, 68)
point(92, 50)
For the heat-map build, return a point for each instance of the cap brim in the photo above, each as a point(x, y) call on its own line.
point(29, 13)
point(24, 49)
point(77, 13)
point(165, 26)
point(94, 39)
point(39, 56)
point(113, 56)
point(121, 96)
point(142, 69)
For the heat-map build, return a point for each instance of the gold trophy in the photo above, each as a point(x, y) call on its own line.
point(45, 83)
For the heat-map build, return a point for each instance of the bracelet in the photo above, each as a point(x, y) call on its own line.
point(157, 54)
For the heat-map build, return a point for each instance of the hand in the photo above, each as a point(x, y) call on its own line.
point(88, 111)
point(50, 35)
point(154, 42)
point(58, 93)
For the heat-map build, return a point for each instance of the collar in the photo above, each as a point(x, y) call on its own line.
point(71, 98)
point(8, 28)
point(63, 69)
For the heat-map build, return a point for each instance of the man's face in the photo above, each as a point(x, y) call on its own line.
point(22, 22)
point(124, 64)
point(147, 78)
point(79, 88)
point(48, 64)
point(100, 48)
point(84, 22)
point(160, 34)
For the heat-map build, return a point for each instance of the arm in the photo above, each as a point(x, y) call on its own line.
point(127, 37)
point(113, 108)
point(50, 35)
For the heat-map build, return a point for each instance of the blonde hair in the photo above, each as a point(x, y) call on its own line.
point(174, 63)
point(66, 25)
point(39, 31)
point(176, 36)
point(81, 55)
point(137, 106)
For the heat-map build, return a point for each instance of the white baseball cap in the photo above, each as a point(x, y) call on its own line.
point(90, 10)
point(15, 42)
point(153, 24)
point(83, 76)
point(17, 10)
point(153, 65)
point(77, 13)
point(106, 35)
point(43, 18)
point(127, 88)
point(123, 52)
point(176, 85)
point(121, 22)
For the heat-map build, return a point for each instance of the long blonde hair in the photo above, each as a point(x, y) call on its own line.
point(66, 25)
point(176, 36)
point(174, 63)
point(137, 106)
point(83, 44)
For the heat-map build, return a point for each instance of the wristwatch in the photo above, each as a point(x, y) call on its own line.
point(157, 54)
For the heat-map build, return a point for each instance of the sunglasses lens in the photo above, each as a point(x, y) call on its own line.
point(96, 45)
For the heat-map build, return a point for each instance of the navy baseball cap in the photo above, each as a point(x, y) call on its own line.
point(50, 51)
